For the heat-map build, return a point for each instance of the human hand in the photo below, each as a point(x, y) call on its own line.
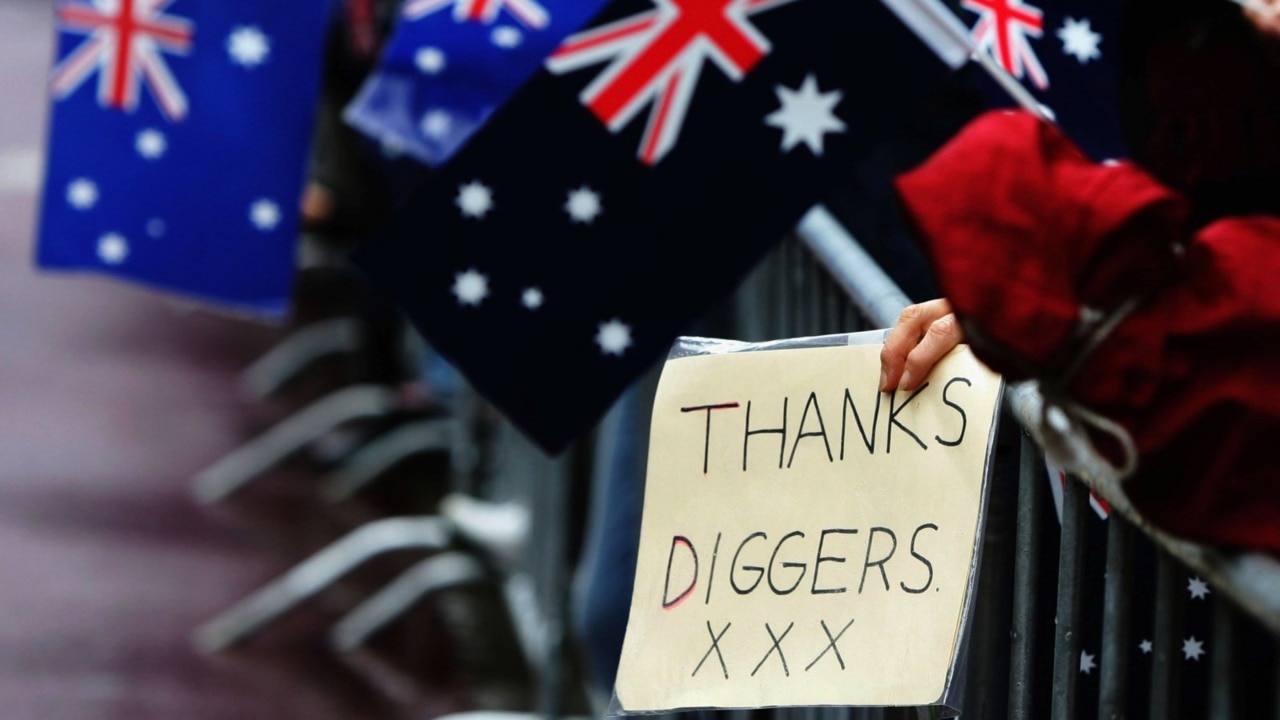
point(317, 205)
point(924, 333)
point(1264, 14)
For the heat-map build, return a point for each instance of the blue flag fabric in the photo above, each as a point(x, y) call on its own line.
point(178, 144)
point(631, 184)
point(452, 63)
point(1067, 54)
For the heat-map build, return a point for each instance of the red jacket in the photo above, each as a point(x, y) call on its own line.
point(1024, 231)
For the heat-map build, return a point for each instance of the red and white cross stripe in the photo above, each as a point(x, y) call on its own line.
point(656, 58)
point(1003, 29)
point(125, 39)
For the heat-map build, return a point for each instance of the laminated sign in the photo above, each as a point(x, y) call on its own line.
point(807, 539)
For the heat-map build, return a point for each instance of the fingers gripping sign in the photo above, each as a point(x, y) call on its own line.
point(925, 332)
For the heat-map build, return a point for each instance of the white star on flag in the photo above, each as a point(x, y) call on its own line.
point(1192, 648)
point(1145, 647)
point(583, 205)
point(113, 248)
point(264, 214)
point(474, 199)
point(532, 298)
point(806, 115)
point(436, 124)
point(429, 60)
point(156, 227)
point(151, 144)
point(506, 36)
point(1086, 662)
point(1079, 39)
point(248, 46)
point(82, 193)
point(613, 337)
point(470, 287)
point(1197, 588)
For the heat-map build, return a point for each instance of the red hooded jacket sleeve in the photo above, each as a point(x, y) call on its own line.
point(1027, 235)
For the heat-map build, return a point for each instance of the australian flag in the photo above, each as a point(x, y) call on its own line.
point(178, 144)
point(1067, 54)
point(661, 152)
point(1193, 647)
point(452, 63)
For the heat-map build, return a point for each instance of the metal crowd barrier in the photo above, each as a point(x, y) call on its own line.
point(1247, 585)
point(821, 281)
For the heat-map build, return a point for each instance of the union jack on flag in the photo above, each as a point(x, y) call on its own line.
point(657, 57)
point(1003, 29)
point(1058, 482)
point(1068, 51)
point(528, 12)
point(123, 46)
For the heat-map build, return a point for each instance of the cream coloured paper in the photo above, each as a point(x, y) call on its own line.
point(806, 539)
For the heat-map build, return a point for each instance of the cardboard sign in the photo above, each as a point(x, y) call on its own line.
point(807, 540)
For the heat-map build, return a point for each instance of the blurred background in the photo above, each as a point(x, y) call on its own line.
point(111, 397)
point(204, 516)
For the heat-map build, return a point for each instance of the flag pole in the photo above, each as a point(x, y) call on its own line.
point(1010, 84)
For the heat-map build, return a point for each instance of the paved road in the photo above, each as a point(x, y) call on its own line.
point(110, 398)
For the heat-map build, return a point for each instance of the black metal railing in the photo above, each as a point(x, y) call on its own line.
point(1247, 585)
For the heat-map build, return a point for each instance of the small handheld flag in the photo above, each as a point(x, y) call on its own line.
point(178, 144)
point(452, 63)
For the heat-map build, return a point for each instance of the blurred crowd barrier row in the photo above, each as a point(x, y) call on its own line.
point(525, 560)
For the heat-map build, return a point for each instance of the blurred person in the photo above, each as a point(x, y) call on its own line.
point(1201, 82)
